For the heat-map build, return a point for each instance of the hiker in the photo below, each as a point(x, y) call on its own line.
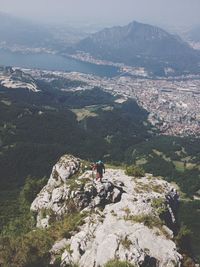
point(100, 168)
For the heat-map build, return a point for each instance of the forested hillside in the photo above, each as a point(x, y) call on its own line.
point(37, 128)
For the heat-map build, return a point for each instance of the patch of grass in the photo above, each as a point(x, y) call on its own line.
point(126, 243)
point(85, 165)
point(157, 202)
point(135, 171)
point(127, 212)
point(115, 166)
point(182, 166)
point(32, 248)
point(179, 165)
point(141, 161)
point(65, 227)
point(157, 188)
point(159, 205)
point(161, 154)
point(148, 220)
point(57, 261)
point(151, 186)
point(183, 238)
point(68, 248)
point(75, 183)
point(83, 113)
point(46, 212)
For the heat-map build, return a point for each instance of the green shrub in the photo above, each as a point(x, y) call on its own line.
point(64, 227)
point(126, 243)
point(85, 165)
point(183, 239)
point(159, 205)
point(157, 202)
point(148, 187)
point(135, 171)
point(118, 263)
point(30, 250)
point(57, 261)
point(24, 221)
point(148, 220)
point(31, 188)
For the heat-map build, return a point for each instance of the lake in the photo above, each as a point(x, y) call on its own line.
point(54, 63)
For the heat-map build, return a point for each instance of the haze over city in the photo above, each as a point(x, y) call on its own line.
point(160, 12)
point(99, 133)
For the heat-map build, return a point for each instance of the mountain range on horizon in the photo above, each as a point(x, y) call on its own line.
point(136, 44)
point(139, 44)
point(57, 124)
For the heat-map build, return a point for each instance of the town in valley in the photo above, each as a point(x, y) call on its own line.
point(172, 103)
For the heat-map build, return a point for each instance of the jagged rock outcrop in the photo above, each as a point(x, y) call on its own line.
point(61, 194)
point(125, 217)
point(56, 191)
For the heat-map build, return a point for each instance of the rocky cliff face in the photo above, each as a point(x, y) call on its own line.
point(125, 218)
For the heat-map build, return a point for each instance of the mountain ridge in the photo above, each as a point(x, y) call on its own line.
point(122, 216)
point(140, 44)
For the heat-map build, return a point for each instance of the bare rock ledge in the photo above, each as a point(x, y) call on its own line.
point(130, 219)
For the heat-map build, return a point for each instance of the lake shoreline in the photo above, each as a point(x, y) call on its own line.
point(54, 62)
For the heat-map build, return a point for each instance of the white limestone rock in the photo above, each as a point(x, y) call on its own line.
point(65, 167)
point(43, 222)
point(127, 226)
point(119, 236)
point(55, 191)
point(58, 248)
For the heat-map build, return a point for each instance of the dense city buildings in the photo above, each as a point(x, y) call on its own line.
point(172, 103)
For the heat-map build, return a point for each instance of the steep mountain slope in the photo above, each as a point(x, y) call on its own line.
point(122, 216)
point(140, 44)
point(37, 128)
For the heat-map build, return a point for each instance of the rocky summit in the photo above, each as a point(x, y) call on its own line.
point(124, 217)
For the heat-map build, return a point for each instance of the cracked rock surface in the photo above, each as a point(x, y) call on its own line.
point(128, 218)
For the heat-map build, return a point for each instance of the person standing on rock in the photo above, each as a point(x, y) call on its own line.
point(100, 169)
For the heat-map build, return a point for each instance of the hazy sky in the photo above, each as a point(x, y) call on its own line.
point(172, 12)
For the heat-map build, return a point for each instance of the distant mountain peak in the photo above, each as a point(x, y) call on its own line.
point(139, 44)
